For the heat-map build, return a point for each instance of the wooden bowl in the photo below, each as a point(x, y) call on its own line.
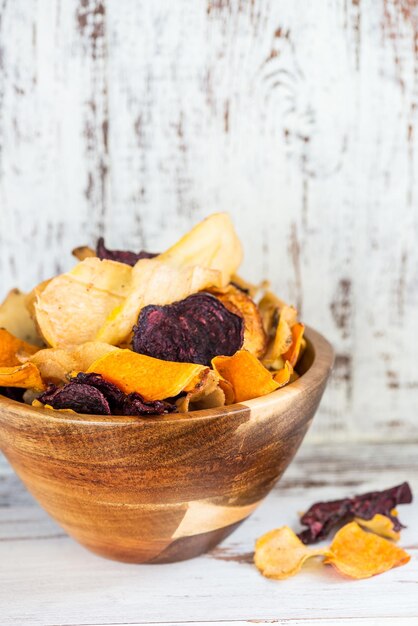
point(155, 490)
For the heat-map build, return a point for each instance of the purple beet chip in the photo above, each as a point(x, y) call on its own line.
point(79, 397)
point(94, 395)
point(111, 392)
point(322, 517)
point(13, 393)
point(122, 256)
point(193, 330)
point(134, 404)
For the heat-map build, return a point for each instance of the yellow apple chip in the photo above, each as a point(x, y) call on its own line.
point(280, 553)
point(248, 377)
point(360, 554)
point(381, 525)
point(11, 348)
point(212, 244)
point(72, 307)
point(153, 378)
point(26, 376)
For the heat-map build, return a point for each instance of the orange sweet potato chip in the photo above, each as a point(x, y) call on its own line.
point(280, 553)
point(292, 353)
point(153, 378)
point(248, 377)
point(381, 525)
point(26, 376)
point(360, 554)
point(10, 346)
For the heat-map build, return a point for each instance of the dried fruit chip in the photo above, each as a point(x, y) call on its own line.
point(122, 256)
point(322, 517)
point(26, 376)
point(248, 377)
point(381, 525)
point(153, 378)
point(15, 318)
point(10, 346)
point(211, 244)
point(155, 283)
point(73, 306)
point(238, 302)
point(283, 376)
point(359, 554)
point(78, 397)
point(280, 554)
point(193, 330)
point(292, 354)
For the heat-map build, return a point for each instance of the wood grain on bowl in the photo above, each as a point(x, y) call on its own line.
point(162, 489)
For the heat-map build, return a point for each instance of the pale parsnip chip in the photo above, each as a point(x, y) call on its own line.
point(212, 244)
point(72, 307)
point(206, 395)
point(56, 364)
point(15, 318)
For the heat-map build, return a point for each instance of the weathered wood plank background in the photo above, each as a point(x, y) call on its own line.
point(135, 119)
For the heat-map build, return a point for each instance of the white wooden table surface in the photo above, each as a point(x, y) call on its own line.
point(47, 579)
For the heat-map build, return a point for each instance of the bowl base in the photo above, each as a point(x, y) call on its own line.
point(179, 550)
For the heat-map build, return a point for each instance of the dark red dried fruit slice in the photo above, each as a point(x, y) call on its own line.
point(122, 256)
point(79, 397)
point(193, 330)
point(322, 517)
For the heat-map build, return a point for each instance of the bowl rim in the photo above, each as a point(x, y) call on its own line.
point(317, 374)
